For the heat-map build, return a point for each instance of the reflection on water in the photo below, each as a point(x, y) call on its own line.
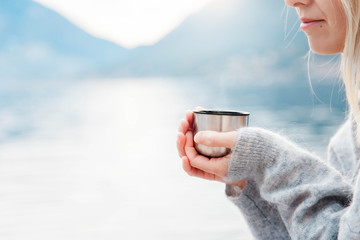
point(97, 160)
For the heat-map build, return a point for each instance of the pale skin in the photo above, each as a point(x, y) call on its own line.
point(200, 166)
point(323, 22)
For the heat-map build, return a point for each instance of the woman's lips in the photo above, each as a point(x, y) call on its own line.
point(306, 23)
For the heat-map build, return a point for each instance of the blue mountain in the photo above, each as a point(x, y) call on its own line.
point(36, 42)
point(252, 40)
point(238, 40)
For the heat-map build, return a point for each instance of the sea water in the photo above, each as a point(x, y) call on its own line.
point(97, 159)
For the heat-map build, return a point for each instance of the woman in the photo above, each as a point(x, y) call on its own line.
point(283, 191)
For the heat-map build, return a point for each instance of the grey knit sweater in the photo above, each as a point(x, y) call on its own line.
point(292, 194)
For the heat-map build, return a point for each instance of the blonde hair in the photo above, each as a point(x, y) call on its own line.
point(350, 59)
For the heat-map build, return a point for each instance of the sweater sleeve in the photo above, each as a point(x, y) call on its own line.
point(312, 198)
point(263, 219)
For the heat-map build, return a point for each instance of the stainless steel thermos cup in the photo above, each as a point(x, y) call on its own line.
point(220, 121)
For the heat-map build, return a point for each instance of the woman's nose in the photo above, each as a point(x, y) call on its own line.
point(297, 3)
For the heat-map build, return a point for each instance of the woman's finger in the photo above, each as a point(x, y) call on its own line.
point(198, 108)
point(183, 126)
point(194, 172)
point(189, 118)
point(180, 144)
point(191, 152)
point(217, 166)
point(216, 139)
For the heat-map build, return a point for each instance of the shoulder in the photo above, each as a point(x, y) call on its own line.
point(342, 149)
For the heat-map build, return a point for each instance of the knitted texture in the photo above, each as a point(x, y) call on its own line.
point(292, 194)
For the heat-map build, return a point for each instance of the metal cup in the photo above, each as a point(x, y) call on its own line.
point(220, 121)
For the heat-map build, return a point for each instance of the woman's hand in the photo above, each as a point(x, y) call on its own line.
point(201, 166)
point(184, 127)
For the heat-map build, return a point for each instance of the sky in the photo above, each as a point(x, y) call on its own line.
point(129, 23)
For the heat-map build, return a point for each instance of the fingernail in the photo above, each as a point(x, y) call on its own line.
point(198, 137)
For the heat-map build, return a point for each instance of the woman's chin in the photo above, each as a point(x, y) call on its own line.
point(324, 49)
